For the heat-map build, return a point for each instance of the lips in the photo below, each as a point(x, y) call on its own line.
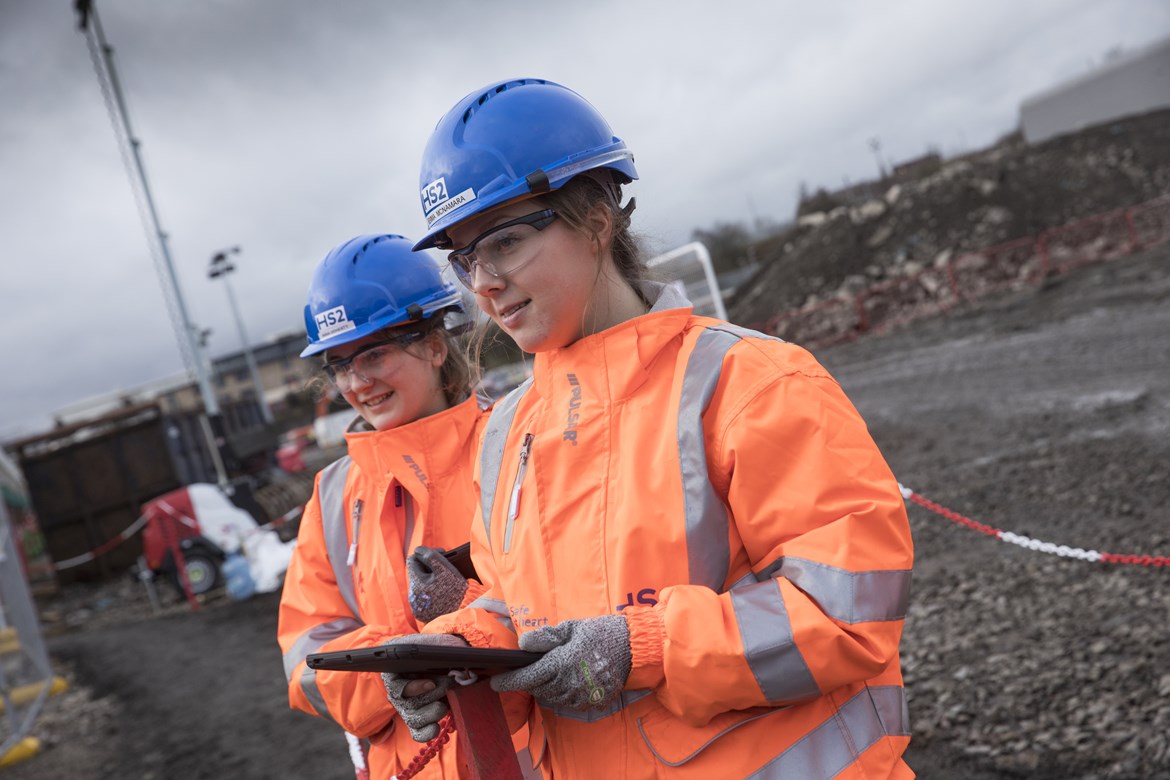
point(509, 313)
point(377, 400)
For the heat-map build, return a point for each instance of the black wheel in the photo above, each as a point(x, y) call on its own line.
point(202, 572)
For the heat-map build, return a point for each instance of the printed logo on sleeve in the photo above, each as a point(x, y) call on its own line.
point(333, 321)
point(436, 201)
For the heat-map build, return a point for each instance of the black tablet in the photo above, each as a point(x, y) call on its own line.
point(422, 660)
point(460, 558)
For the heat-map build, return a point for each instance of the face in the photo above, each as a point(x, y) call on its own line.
point(392, 385)
point(548, 302)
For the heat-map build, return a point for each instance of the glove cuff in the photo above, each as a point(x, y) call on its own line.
point(474, 590)
point(471, 634)
point(647, 647)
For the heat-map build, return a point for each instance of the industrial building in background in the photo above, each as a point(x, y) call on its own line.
point(89, 477)
point(1128, 83)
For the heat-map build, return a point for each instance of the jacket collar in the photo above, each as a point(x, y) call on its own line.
point(418, 453)
point(606, 356)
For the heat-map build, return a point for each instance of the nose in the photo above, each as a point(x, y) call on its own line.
point(357, 379)
point(483, 283)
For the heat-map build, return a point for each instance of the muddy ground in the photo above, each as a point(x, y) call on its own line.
point(1044, 412)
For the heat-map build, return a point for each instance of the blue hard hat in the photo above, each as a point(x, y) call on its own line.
point(507, 140)
point(369, 283)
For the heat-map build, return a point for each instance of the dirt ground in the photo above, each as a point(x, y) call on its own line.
point(1044, 412)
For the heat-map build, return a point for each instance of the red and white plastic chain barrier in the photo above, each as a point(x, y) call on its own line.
point(129, 531)
point(1029, 543)
point(357, 754)
point(136, 526)
point(288, 516)
point(182, 518)
point(101, 549)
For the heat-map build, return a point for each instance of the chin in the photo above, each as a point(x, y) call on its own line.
point(384, 422)
point(532, 345)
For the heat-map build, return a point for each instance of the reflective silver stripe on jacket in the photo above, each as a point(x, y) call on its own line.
point(498, 607)
point(768, 644)
point(334, 512)
point(708, 551)
point(495, 436)
point(831, 747)
point(834, 745)
point(310, 642)
point(331, 497)
point(744, 333)
point(847, 596)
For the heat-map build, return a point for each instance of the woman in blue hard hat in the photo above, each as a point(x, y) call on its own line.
point(689, 519)
point(367, 566)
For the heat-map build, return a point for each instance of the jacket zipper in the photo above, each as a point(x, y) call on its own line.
point(357, 524)
point(514, 503)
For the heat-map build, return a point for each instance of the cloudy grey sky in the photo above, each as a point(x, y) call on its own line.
point(288, 126)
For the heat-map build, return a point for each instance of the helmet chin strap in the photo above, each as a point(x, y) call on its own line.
point(613, 188)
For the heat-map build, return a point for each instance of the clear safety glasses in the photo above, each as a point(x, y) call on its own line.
point(502, 250)
point(368, 360)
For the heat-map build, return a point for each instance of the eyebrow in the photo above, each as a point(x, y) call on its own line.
point(493, 225)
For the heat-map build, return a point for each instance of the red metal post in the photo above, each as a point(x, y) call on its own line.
point(482, 733)
point(953, 281)
point(1131, 230)
point(862, 317)
point(1042, 250)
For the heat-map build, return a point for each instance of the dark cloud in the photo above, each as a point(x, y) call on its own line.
point(287, 126)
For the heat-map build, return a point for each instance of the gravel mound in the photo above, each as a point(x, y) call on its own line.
point(1009, 191)
point(1044, 413)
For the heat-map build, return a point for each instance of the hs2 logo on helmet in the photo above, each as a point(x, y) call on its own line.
point(434, 194)
point(333, 321)
point(437, 201)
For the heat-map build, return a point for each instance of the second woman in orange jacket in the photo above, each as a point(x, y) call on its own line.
point(377, 313)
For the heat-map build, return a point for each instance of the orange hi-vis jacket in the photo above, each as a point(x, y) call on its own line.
point(347, 584)
point(716, 487)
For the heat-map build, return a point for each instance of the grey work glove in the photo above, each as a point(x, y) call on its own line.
point(585, 666)
point(436, 586)
point(421, 713)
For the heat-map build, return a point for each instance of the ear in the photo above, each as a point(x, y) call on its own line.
point(600, 221)
point(436, 349)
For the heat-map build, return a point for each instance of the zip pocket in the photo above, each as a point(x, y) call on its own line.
point(514, 501)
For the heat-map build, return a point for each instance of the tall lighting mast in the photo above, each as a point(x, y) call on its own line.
point(221, 267)
point(102, 55)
